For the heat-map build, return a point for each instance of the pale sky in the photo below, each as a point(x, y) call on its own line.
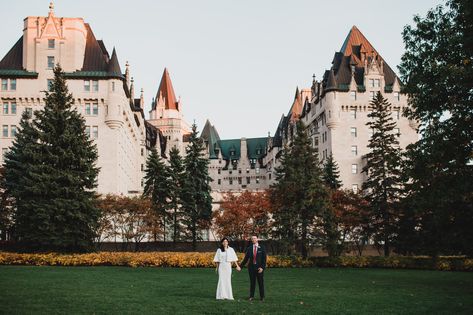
point(234, 62)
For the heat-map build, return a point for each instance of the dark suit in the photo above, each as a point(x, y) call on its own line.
point(253, 265)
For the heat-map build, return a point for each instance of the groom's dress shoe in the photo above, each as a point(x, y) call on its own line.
point(250, 299)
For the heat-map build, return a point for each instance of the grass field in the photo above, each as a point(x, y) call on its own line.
point(111, 290)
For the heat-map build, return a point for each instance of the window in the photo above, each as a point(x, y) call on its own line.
point(397, 132)
point(5, 131)
point(353, 132)
point(113, 86)
point(354, 187)
point(50, 84)
point(258, 151)
point(13, 108)
point(230, 181)
point(239, 180)
point(354, 150)
point(5, 108)
point(371, 82)
point(257, 180)
point(87, 86)
point(377, 83)
point(50, 62)
point(219, 171)
point(232, 152)
point(13, 84)
point(248, 180)
point(142, 167)
point(87, 131)
point(354, 168)
point(353, 113)
point(353, 95)
point(142, 152)
point(95, 86)
point(4, 84)
point(219, 181)
point(95, 132)
point(371, 132)
point(51, 43)
point(269, 175)
point(142, 182)
point(397, 113)
point(257, 170)
point(95, 109)
point(397, 96)
point(29, 110)
point(239, 171)
point(372, 94)
point(87, 108)
point(13, 131)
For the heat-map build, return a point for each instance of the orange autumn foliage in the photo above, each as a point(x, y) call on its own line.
point(243, 214)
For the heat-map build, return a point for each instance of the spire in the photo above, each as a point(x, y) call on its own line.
point(331, 82)
point(51, 8)
point(113, 68)
point(127, 74)
point(142, 98)
point(166, 92)
point(296, 108)
point(132, 88)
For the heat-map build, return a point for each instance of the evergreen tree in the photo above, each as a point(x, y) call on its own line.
point(157, 188)
point(19, 181)
point(331, 173)
point(176, 181)
point(299, 193)
point(383, 185)
point(437, 70)
point(332, 235)
point(54, 190)
point(196, 198)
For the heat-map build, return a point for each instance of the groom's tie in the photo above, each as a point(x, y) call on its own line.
point(254, 254)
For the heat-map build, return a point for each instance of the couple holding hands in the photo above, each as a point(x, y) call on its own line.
point(255, 256)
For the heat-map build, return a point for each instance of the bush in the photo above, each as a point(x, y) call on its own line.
point(204, 260)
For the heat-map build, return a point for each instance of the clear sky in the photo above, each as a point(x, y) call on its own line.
point(234, 62)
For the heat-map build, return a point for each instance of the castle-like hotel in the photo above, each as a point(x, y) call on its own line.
point(335, 109)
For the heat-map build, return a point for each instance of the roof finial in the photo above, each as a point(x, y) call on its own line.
point(51, 7)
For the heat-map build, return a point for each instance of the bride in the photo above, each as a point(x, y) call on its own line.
point(225, 257)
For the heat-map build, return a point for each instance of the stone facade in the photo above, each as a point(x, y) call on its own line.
point(101, 93)
point(335, 109)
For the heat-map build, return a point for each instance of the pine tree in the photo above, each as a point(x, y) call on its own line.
point(300, 194)
point(53, 191)
point(176, 181)
point(196, 198)
point(331, 173)
point(332, 235)
point(383, 185)
point(437, 70)
point(157, 187)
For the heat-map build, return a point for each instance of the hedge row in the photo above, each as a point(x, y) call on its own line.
point(195, 260)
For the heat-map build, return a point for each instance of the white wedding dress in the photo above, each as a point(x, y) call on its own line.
point(225, 259)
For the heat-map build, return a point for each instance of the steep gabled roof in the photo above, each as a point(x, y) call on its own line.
point(166, 91)
point(356, 49)
point(296, 107)
point(13, 60)
point(113, 68)
point(94, 59)
point(210, 135)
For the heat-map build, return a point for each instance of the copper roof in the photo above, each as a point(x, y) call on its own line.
point(13, 60)
point(296, 108)
point(166, 91)
point(356, 49)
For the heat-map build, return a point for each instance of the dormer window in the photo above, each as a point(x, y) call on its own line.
point(258, 151)
point(51, 43)
point(232, 152)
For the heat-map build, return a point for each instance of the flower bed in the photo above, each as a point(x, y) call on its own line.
point(203, 260)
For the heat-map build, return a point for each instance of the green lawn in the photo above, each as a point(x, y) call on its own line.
point(192, 291)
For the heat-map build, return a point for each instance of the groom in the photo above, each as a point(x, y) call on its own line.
point(256, 255)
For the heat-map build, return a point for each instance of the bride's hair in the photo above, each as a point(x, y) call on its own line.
point(221, 244)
